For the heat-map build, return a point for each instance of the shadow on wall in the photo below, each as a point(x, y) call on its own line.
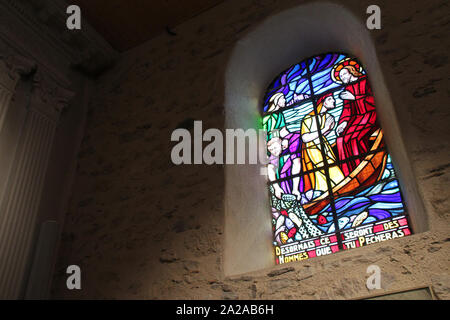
point(279, 42)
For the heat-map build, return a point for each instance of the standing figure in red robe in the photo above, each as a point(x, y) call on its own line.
point(358, 118)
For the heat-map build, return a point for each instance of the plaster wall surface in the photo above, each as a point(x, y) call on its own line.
point(141, 227)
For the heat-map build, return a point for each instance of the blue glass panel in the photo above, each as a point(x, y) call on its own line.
point(294, 116)
point(292, 83)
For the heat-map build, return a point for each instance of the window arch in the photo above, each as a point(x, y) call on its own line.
point(332, 184)
point(283, 38)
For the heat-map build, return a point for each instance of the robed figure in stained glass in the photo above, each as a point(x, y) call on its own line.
point(358, 119)
point(313, 153)
point(284, 148)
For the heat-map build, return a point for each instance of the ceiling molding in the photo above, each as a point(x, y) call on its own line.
point(37, 28)
point(128, 24)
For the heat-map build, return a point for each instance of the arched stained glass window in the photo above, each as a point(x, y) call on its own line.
point(332, 183)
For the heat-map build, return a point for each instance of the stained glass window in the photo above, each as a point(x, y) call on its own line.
point(332, 183)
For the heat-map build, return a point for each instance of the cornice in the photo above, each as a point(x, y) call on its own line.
point(12, 67)
point(83, 49)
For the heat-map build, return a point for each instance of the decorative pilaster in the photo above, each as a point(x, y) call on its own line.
point(18, 211)
point(35, 28)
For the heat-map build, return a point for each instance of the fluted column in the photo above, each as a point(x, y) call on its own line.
point(7, 85)
point(19, 208)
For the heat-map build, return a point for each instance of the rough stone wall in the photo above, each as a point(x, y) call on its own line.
point(141, 227)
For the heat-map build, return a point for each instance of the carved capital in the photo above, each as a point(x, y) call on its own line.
point(12, 67)
point(49, 98)
point(21, 65)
